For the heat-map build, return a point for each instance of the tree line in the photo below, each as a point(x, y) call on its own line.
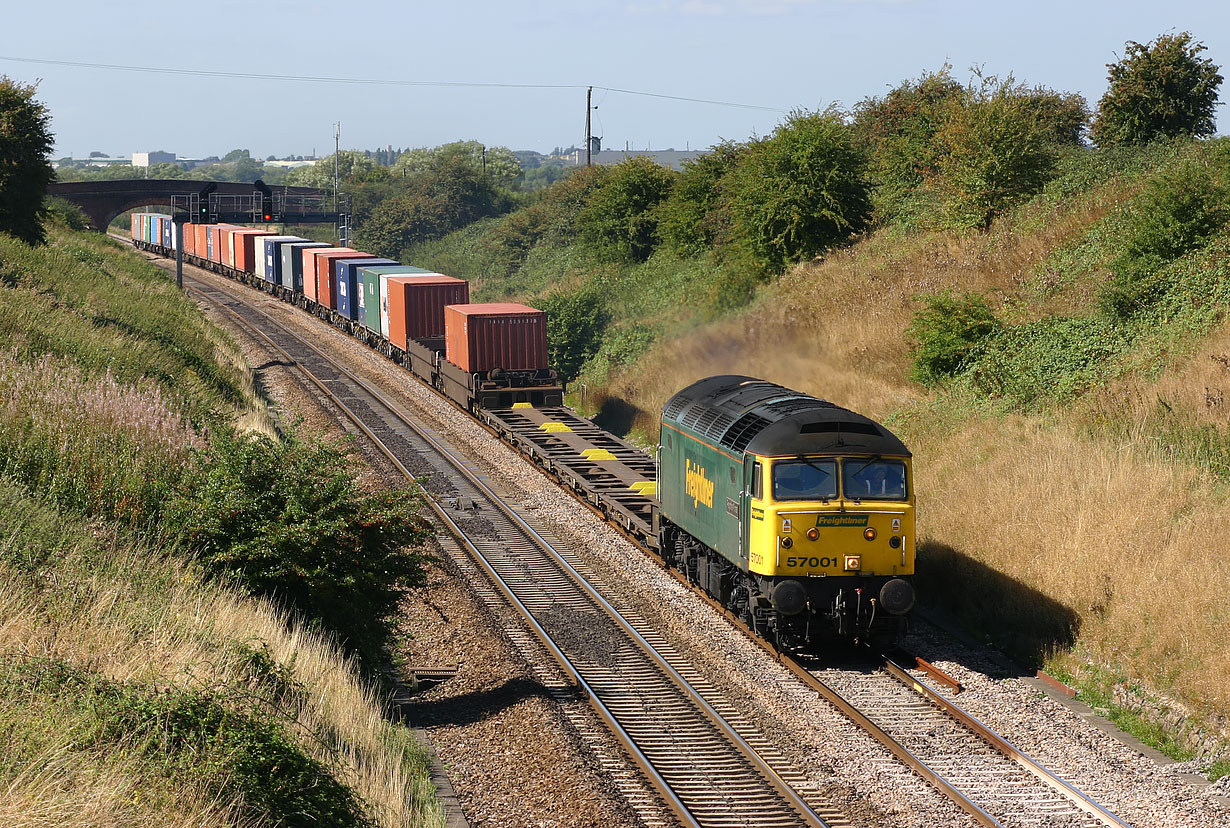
point(932, 152)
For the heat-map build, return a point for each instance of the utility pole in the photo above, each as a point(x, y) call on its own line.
point(589, 97)
point(337, 148)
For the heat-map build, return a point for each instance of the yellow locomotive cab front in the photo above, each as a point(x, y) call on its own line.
point(831, 517)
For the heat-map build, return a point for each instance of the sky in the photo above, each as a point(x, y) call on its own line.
point(515, 73)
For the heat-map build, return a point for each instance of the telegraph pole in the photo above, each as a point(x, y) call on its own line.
point(589, 142)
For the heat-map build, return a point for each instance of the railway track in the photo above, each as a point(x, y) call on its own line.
point(981, 772)
point(710, 767)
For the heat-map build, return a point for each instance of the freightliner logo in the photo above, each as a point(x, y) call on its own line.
point(696, 485)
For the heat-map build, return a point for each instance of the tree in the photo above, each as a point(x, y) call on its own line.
point(353, 167)
point(25, 143)
point(994, 149)
point(1162, 89)
point(690, 220)
point(236, 155)
point(444, 198)
point(498, 163)
point(798, 192)
point(575, 323)
point(620, 219)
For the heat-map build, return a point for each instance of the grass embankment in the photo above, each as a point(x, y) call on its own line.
point(136, 686)
point(1072, 475)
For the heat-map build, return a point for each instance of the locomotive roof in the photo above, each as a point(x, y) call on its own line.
point(746, 414)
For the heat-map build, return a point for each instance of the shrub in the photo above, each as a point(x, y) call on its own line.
point(899, 131)
point(798, 192)
point(1051, 359)
point(994, 150)
point(287, 520)
point(619, 220)
point(1180, 210)
point(575, 323)
point(965, 151)
point(690, 221)
point(949, 335)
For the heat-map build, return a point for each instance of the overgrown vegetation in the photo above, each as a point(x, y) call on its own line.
point(137, 519)
point(285, 518)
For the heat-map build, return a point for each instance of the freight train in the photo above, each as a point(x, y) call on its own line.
point(795, 514)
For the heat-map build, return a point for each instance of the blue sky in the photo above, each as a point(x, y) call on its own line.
point(780, 54)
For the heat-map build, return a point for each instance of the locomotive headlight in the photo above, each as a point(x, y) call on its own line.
point(854, 563)
point(787, 543)
point(813, 533)
point(869, 533)
point(895, 542)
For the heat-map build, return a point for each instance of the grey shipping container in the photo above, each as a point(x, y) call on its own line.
point(291, 274)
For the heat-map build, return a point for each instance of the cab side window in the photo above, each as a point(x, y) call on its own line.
point(757, 482)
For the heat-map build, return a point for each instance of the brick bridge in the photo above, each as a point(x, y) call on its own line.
point(102, 201)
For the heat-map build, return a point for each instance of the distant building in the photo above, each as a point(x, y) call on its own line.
point(288, 165)
point(667, 158)
point(92, 161)
point(145, 159)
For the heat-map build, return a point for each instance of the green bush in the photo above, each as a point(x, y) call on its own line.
point(899, 131)
point(1180, 210)
point(994, 150)
point(575, 323)
point(691, 220)
point(619, 220)
point(799, 192)
point(1050, 360)
point(1160, 89)
point(287, 519)
point(949, 335)
point(963, 151)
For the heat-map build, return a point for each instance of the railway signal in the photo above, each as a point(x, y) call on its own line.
point(202, 215)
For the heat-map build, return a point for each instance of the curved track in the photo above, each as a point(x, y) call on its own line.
point(707, 770)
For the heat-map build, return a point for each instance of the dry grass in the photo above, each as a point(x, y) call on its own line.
point(1068, 529)
point(146, 619)
point(1128, 545)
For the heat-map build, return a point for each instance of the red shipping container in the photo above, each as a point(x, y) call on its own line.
point(226, 233)
point(481, 338)
point(416, 305)
point(201, 240)
point(308, 255)
point(134, 224)
point(326, 279)
point(188, 239)
point(245, 248)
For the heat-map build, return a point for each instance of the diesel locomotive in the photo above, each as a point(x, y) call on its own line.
point(794, 513)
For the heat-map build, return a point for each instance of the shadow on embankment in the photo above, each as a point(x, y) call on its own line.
point(1024, 623)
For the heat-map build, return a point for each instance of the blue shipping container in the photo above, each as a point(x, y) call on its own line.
point(346, 299)
point(268, 255)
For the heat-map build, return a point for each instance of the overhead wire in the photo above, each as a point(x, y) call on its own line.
point(210, 73)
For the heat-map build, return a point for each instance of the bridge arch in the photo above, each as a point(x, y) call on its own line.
point(102, 201)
